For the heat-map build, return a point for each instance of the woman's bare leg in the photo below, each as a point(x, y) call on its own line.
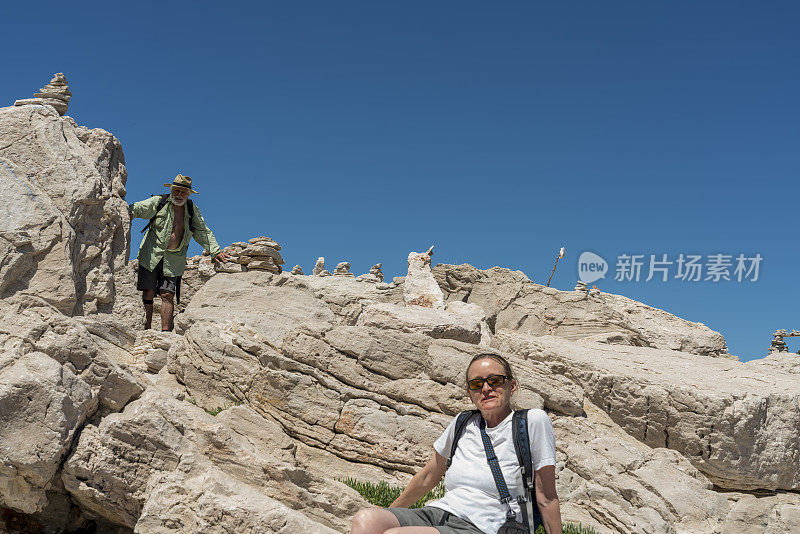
point(381, 521)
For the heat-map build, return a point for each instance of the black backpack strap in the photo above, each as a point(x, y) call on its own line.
point(522, 446)
point(161, 204)
point(190, 205)
point(461, 422)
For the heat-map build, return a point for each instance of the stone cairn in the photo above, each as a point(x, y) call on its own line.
point(261, 254)
point(56, 94)
point(375, 274)
point(319, 268)
point(377, 271)
point(581, 286)
point(778, 344)
point(297, 270)
point(343, 269)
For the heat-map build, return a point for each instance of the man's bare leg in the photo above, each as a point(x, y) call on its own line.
point(148, 294)
point(167, 307)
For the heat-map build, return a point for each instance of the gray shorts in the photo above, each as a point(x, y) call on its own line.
point(155, 279)
point(430, 516)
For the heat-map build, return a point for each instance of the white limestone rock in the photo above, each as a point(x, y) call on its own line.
point(511, 301)
point(739, 429)
point(65, 229)
point(431, 322)
point(420, 287)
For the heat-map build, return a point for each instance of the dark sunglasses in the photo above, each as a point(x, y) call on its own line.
point(493, 380)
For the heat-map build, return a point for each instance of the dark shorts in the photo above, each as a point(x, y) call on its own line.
point(430, 516)
point(155, 279)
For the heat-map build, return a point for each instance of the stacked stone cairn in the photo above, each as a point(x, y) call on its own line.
point(343, 269)
point(261, 254)
point(56, 94)
point(297, 270)
point(375, 274)
point(778, 344)
point(581, 286)
point(319, 268)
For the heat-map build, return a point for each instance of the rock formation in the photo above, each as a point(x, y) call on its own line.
point(375, 274)
point(262, 253)
point(297, 270)
point(56, 94)
point(319, 268)
point(420, 287)
point(343, 269)
point(275, 386)
point(377, 271)
point(64, 229)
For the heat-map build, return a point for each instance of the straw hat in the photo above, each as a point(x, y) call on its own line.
point(182, 181)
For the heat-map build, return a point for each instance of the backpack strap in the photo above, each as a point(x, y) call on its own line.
point(461, 422)
point(161, 204)
point(190, 205)
point(522, 446)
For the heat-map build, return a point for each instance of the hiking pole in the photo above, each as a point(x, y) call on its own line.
point(560, 255)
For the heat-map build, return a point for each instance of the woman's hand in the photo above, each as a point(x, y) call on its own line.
point(424, 481)
point(547, 498)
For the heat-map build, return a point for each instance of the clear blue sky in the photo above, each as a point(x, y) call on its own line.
point(498, 131)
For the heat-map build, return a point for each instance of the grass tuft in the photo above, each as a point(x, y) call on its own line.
point(383, 494)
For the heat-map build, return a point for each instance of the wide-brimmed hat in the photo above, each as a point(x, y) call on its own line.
point(182, 181)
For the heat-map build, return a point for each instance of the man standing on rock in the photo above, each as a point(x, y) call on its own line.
point(174, 221)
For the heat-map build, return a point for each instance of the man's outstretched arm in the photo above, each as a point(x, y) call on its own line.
point(203, 235)
point(144, 209)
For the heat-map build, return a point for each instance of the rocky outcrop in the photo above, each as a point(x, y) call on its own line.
point(512, 302)
point(276, 385)
point(64, 228)
point(53, 378)
point(733, 425)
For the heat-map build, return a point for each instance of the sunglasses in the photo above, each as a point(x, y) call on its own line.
point(493, 380)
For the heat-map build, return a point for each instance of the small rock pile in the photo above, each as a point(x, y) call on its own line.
point(56, 94)
point(319, 268)
point(375, 274)
point(260, 254)
point(343, 269)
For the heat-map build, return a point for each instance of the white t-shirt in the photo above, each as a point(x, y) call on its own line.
point(470, 490)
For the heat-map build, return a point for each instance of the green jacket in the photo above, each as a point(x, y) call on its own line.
point(154, 244)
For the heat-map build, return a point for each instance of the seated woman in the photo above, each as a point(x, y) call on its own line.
point(471, 503)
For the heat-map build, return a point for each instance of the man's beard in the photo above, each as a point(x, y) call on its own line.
point(177, 201)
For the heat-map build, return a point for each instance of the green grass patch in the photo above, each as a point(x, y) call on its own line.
point(383, 494)
point(216, 411)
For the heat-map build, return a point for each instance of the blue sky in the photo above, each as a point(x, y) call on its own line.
point(497, 131)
